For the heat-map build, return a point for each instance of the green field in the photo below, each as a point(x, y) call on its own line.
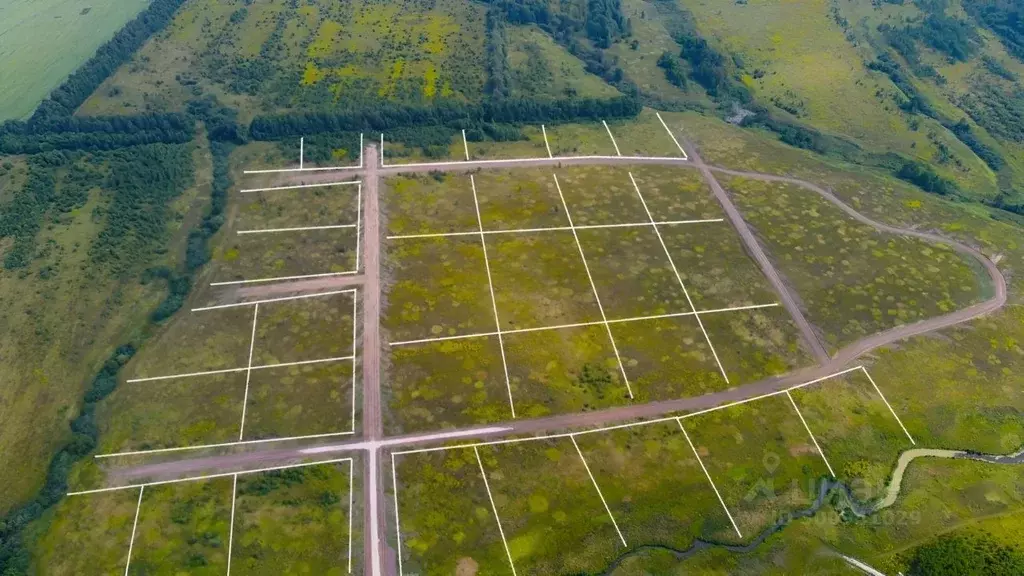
point(43, 41)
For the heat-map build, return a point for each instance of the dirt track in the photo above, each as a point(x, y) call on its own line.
point(373, 488)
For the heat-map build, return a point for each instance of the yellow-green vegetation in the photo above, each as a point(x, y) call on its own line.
point(183, 527)
point(283, 55)
point(601, 195)
point(675, 193)
point(518, 199)
point(852, 279)
point(87, 534)
point(540, 280)
point(326, 206)
point(428, 204)
point(305, 252)
point(446, 385)
point(445, 516)
point(644, 136)
point(548, 506)
point(43, 42)
point(667, 358)
point(304, 329)
point(293, 521)
point(532, 146)
point(755, 344)
point(579, 140)
point(300, 400)
point(762, 460)
point(860, 437)
point(542, 68)
point(196, 342)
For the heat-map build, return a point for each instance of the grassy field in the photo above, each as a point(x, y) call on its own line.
point(278, 56)
point(542, 68)
point(42, 42)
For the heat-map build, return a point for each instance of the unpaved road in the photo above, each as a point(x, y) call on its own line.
point(380, 559)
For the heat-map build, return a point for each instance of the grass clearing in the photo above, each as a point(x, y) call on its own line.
point(579, 140)
point(761, 459)
point(304, 329)
point(429, 204)
point(601, 195)
point(540, 67)
point(540, 280)
point(531, 146)
point(446, 385)
point(518, 199)
point(437, 287)
point(644, 136)
point(676, 193)
point(293, 521)
point(755, 344)
point(281, 254)
point(853, 280)
point(196, 342)
point(446, 519)
point(322, 206)
point(88, 534)
point(300, 401)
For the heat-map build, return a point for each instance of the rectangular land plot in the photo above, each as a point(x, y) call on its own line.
point(713, 263)
point(859, 435)
point(579, 140)
point(89, 534)
point(447, 384)
point(568, 370)
point(540, 280)
point(755, 344)
point(293, 521)
point(599, 195)
point(437, 287)
point(762, 460)
point(171, 413)
point(518, 199)
point(195, 342)
point(183, 529)
point(298, 207)
point(531, 146)
point(402, 148)
point(305, 329)
point(676, 193)
point(553, 517)
point(667, 358)
point(280, 255)
point(654, 485)
point(429, 204)
point(643, 136)
point(445, 517)
point(300, 400)
point(632, 274)
point(325, 150)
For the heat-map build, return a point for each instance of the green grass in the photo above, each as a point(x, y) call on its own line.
point(542, 68)
point(531, 147)
point(579, 140)
point(255, 256)
point(644, 136)
point(853, 280)
point(518, 199)
point(326, 206)
point(422, 204)
point(300, 400)
point(87, 534)
point(304, 329)
point(43, 42)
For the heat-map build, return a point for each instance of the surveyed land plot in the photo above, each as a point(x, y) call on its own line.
point(294, 521)
point(445, 518)
point(305, 329)
point(762, 459)
point(277, 211)
point(437, 288)
point(579, 140)
point(530, 145)
point(856, 430)
point(673, 193)
point(757, 343)
point(89, 534)
point(447, 384)
point(644, 136)
point(306, 253)
point(428, 204)
point(654, 485)
point(601, 195)
point(519, 199)
point(400, 148)
point(305, 400)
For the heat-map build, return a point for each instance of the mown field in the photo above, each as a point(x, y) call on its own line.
point(41, 42)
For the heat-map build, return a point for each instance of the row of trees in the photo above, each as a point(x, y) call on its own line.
point(389, 117)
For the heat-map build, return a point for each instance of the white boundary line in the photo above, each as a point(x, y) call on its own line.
point(297, 229)
point(359, 225)
point(494, 302)
point(351, 497)
point(882, 396)
point(302, 154)
point(268, 300)
point(494, 509)
point(554, 229)
point(544, 131)
point(314, 169)
point(598, 488)
point(229, 370)
point(283, 278)
point(248, 370)
point(614, 143)
point(580, 324)
point(381, 149)
point(499, 161)
point(355, 313)
point(465, 145)
point(135, 525)
point(672, 136)
point(710, 481)
point(231, 527)
point(593, 287)
point(811, 434)
point(629, 424)
point(299, 187)
point(207, 477)
point(398, 522)
point(679, 278)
